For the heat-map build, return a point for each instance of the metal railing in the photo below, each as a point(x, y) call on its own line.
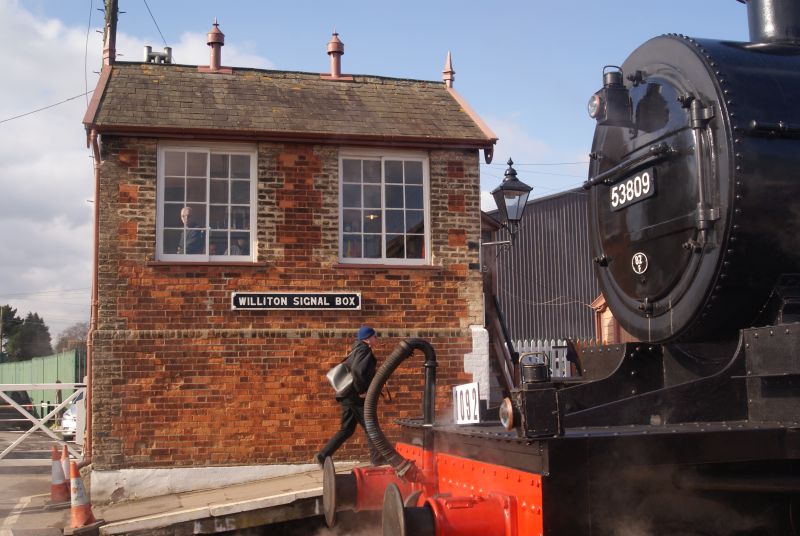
point(41, 424)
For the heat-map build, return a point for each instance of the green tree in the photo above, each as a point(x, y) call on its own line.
point(32, 339)
point(9, 326)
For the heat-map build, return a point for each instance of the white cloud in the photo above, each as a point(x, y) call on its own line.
point(192, 49)
point(540, 165)
point(487, 201)
point(47, 176)
point(47, 173)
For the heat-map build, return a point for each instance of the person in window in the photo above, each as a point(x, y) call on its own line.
point(362, 364)
point(193, 240)
point(240, 247)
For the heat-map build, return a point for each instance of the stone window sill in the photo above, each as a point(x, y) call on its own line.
point(393, 267)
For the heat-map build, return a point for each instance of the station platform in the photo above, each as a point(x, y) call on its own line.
point(229, 508)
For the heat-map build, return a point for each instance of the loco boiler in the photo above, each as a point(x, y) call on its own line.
point(694, 189)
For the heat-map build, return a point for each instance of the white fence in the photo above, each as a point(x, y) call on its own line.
point(42, 424)
point(555, 350)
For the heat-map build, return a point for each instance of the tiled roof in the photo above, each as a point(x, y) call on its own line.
point(273, 104)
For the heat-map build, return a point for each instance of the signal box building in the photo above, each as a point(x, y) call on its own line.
point(249, 222)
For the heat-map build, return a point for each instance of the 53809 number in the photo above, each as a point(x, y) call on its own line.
point(633, 190)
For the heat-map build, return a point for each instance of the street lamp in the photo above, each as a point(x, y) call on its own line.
point(511, 198)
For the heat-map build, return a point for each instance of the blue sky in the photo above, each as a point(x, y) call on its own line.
point(526, 67)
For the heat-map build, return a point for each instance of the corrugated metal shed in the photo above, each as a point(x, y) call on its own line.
point(545, 282)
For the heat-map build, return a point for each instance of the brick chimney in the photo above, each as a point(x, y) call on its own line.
point(335, 51)
point(216, 40)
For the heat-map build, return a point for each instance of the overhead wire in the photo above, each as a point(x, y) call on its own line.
point(22, 295)
point(45, 107)
point(156, 23)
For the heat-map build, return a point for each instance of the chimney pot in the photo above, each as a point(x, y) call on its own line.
point(335, 51)
point(216, 40)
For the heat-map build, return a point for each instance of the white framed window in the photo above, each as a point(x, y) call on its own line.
point(384, 214)
point(206, 203)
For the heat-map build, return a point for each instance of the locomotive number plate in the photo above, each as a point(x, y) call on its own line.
point(466, 404)
point(634, 189)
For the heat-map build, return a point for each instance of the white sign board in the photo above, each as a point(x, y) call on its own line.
point(466, 404)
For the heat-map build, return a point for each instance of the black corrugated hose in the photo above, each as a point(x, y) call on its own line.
point(401, 353)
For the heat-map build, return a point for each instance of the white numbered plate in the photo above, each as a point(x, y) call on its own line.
point(466, 404)
point(633, 189)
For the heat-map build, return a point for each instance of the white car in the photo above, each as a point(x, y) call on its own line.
point(69, 422)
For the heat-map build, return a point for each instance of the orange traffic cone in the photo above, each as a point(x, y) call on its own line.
point(65, 460)
point(81, 507)
point(59, 489)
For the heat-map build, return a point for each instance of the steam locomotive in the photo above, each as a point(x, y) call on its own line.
point(694, 192)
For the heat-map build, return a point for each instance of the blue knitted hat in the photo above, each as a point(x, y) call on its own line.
point(365, 332)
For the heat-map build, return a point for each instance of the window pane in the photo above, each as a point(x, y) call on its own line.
point(196, 190)
point(395, 247)
point(172, 238)
point(219, 166)
point(196, 165)
point(415, 247)
point(218, 217)
point(240, 244)
point(197, 217)
point(413, 172)
point(219, 192)
point(351, 170)
point(372, 196)
point(218, 243)
point(372, 246)
point(174, 163)
point(240, 218)
point(394, 170)
point(351, 244)
point(415, 221)
point(414, 197)
point(372, 221)
point(372, 171)
point(394, 197)
point(193, 242)
point(173, 189)
point(395, 221)
point(240, 166)
point(351, 221)
point(351, 195)
point(172, 215)
point(240, 191)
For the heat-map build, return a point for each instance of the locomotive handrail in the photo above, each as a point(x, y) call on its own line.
point(780, 129)
point(654, 152)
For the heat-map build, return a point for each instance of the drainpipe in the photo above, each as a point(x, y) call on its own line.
point(87, 449)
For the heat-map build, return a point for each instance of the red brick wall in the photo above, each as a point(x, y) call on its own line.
point(179, 379)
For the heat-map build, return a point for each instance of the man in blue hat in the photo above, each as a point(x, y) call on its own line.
point(362, 365)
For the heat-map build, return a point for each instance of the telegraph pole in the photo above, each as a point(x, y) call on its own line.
point(110, 33)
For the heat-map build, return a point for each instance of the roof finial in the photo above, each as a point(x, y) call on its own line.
point(448, 74)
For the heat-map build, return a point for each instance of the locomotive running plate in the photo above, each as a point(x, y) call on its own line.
point(633, 189)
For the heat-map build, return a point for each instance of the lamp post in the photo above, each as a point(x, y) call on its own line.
point(511, 198)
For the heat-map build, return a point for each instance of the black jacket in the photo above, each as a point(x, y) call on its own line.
point(362, 365)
